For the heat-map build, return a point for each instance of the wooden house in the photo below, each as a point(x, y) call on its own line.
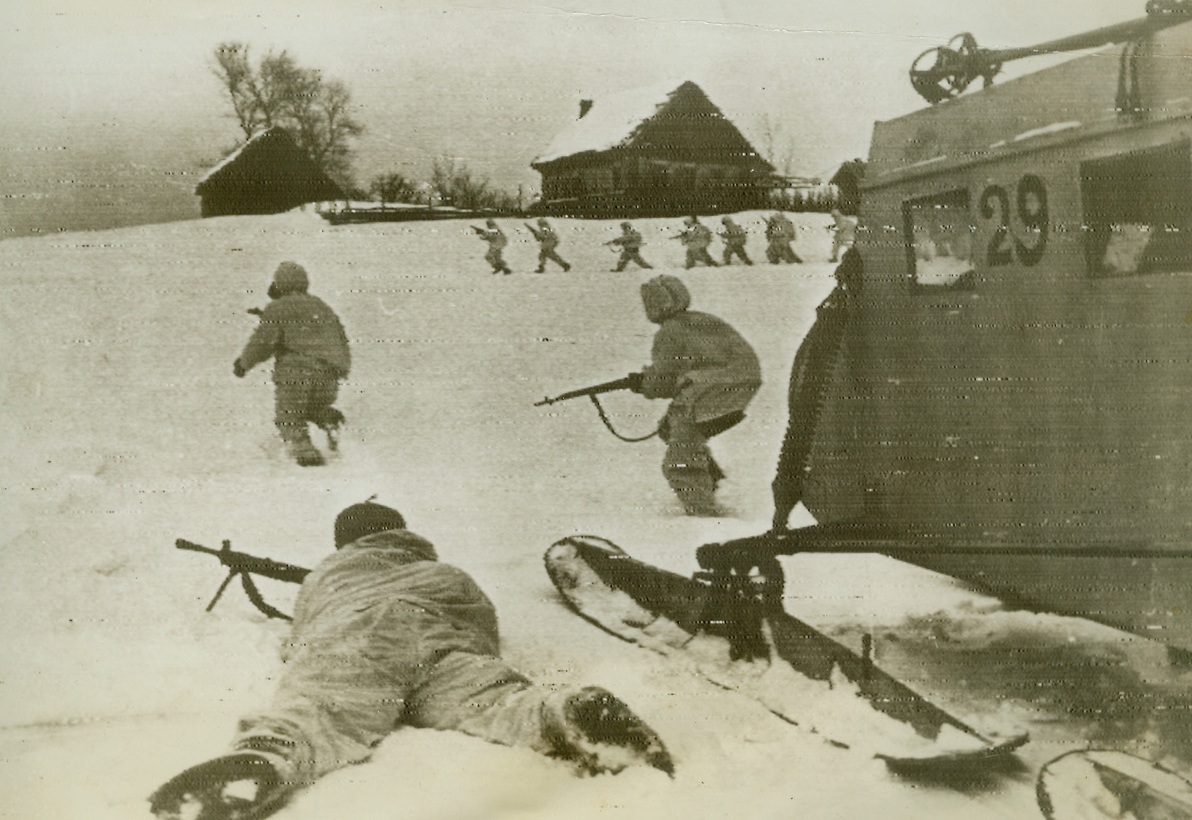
point(659, 151)
point(269, 174)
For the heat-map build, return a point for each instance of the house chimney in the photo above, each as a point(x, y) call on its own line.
point(584, 107)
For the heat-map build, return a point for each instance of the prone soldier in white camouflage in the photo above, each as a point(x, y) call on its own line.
point(385, 635)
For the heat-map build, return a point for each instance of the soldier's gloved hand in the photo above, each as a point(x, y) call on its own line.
point(238, 369)
point(635, 382)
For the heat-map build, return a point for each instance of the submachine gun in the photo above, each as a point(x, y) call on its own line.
point(244, 565)
point(941, 73)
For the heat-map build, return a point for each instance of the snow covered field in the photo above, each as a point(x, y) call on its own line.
point(125, 429)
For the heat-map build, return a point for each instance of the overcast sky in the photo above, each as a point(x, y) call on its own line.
point(486, 82)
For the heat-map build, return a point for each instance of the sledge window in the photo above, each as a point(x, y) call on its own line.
point(1138, 211)
point(939, 239)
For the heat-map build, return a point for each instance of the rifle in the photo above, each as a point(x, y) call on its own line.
point(631, 382)
point(245, 565)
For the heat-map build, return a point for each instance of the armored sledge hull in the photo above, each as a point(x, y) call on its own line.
point(1017, 363)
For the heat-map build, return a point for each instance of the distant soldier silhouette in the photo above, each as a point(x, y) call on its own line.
point(734, 241)
point(497, 241)
point(780, 233)
point(844, 233)
point(696, 238)
point(548, 241)
point(630, 242)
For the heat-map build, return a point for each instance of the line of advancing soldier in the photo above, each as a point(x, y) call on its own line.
point(695, 236)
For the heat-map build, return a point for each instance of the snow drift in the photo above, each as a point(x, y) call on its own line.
point(124, 429)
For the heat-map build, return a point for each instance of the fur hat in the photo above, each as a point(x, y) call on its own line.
point(290, 277)
point(664, 296)
point(364, 519)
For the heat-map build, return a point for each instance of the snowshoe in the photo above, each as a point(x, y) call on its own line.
point(600, 733)
point(239, 786)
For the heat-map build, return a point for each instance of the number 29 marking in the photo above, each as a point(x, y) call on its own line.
point(1004, 245)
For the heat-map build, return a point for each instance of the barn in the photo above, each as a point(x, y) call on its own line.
point(267, 175)
point(660, 151)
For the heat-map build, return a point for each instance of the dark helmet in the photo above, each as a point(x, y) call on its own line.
point(364, 519)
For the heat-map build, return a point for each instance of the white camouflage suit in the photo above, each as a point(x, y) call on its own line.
point(709, 371)
point(385, 635)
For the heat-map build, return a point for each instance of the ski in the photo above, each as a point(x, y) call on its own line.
point(1110, 785)
point(808, 679)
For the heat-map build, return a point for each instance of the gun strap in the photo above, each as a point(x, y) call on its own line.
point(611, 429)
point(254, 595)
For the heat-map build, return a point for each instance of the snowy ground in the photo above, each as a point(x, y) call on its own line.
point(124, 429)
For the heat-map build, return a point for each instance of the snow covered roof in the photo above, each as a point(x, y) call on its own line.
point(232, 157)
point(614, 120)
point(269, 173)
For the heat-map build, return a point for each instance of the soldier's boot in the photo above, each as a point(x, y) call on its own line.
point(305, 453)
point(598, 732)
point(331, 421)
point(240, 786)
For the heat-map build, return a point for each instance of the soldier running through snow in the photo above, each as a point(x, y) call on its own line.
point(385, 635)
point(630, 242)
point(310, 355)
point(548, 241)
point(734, 241)
point(496, 239)
point(844, 233)
point(780, 233)
point(696, 237)
point(710, 373)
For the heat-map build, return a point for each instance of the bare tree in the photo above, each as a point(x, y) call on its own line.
point(458, 185)
point(778, 147)
point(279, 92)
point(393, 187)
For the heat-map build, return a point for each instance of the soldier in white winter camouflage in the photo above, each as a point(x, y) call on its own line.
point(734, 237)
point(548, 243)
point(310, 355)
point(492, 234)
point(710, 373)
point(696, 237)
point(385, 635)
point(780, 233)
point(630, 244)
